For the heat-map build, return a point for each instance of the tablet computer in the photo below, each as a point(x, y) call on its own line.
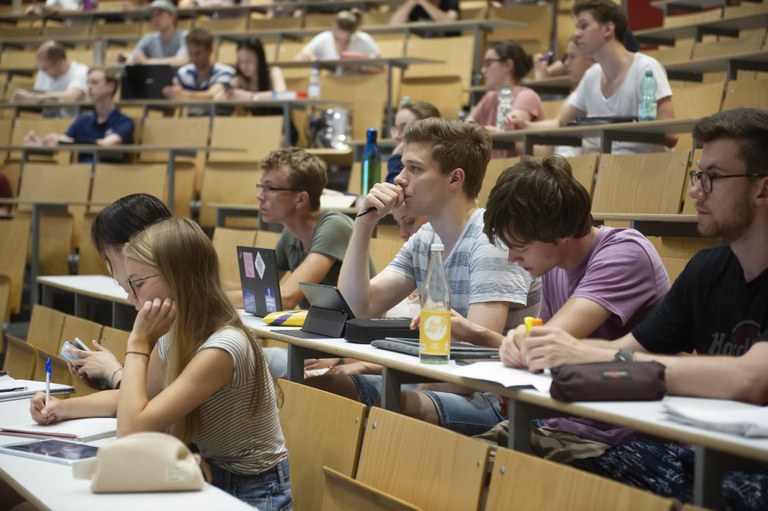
point(53, 450)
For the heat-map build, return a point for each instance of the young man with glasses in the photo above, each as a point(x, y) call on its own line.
point(313, 242)
point(718, 307)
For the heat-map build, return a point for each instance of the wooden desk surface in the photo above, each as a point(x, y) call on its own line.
point(643, 416)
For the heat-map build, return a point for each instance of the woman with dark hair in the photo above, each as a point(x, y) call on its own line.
point(506, 63)
point(112, 228)
point(254, 78)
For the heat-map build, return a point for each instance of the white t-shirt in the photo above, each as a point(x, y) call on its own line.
point(589, 98)
point(323, 47)
point(75, 78)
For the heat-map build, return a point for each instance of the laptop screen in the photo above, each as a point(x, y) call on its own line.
point(145, 82)
point(259, 280)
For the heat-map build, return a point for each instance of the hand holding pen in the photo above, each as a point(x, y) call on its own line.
point(383, 198)
point(510, 351)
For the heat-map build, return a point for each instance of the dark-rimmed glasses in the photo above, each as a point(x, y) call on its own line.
point(707, 179)
point(131, 282)
point(270, 189)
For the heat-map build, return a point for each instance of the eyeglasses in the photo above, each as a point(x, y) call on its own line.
point(488, 62)
point(270, 189)
point(707, 179)
point(131, 282)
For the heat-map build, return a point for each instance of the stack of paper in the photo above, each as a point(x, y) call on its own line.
point(752, 421)
point(11, 390)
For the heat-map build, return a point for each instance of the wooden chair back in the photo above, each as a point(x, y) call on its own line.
point(226, 241)
point(100, 30)
point(423, 464)
point(525, 483)
point(584, 168)
point(306, 415)
point(495, 168)
point(13, 257)
point(113, 181)
point(5, 298)
point(46, 182)
point(84, 329)
point(267, 239)
point(343, 493)
point(233, 183)
point(693, 18)
point(89, 262)
point(455, 52)
point(445, 92)
point(219, 25)
point(41, 127)
point(20, 358)
point(258, 135)
point(640, 183)
point(383, 250)
point(537, 33)
point(116, 341)
point(365, 95)
point(746, 94)
point(727, 47)
point(45, 327)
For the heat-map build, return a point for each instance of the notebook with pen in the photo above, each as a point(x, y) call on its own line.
point(11, 390)
point(82, 430)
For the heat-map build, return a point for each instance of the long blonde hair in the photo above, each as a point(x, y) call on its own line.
point(185, 258)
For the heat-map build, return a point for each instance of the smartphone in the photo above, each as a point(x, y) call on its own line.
point(73, 344)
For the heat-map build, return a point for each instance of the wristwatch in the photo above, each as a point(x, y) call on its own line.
point(624, 356)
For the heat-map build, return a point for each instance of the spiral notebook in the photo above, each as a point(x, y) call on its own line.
point(11, 390)
point(83, 430)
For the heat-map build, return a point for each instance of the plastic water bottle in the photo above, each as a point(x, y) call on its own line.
point(646, 111)
point(435, 325)
point(503, 106)
point(313, 91)
point(371, 163)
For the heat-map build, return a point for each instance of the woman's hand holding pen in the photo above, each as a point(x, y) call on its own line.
point(383, 198)
point(42, 414)
point(153, 321)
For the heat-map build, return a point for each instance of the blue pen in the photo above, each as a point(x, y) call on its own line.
point(48, 375)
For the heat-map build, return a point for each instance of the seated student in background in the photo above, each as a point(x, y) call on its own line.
point(5, 193)
point(313, 242)
point(164, 46)
point(717, 308)
point(201, 79)
point(444, 165)
point(506, 63)
point(612, 87)
point(426, 10)
point(59, 79)
point(105, 126)
point(189, 358)
point(112, 228)
point(254, 79)
point(343, 41)
point(408, 112)
point(595, 281)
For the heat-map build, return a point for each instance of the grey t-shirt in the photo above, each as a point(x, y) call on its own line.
point(155, 48)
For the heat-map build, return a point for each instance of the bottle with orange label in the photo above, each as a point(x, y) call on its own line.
point(435, 326)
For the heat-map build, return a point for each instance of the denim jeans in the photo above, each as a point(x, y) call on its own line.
point(268, 491)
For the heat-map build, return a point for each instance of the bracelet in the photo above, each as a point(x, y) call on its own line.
point(137, 353)
point(112, 378)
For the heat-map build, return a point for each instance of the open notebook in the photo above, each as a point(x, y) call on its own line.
point(11, 390)
point(83, 430)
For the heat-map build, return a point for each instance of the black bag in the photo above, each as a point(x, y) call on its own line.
point(365, 330)
point(609, 381)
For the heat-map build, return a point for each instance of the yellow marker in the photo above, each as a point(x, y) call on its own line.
point(531, 322)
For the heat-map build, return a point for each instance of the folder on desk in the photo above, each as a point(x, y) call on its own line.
point(83, 430)
point(459, 350)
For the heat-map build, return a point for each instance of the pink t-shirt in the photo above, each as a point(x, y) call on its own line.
point(485, 112)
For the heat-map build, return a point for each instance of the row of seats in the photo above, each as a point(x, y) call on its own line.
point(48, 330)
point(387, 461)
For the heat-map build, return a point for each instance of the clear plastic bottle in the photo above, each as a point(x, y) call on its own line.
point(371, 164)
point(313, 91)
point(435, 325)
point(503, 106)
point(646, 110)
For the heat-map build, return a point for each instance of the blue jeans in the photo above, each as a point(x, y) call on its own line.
point(268, 491)
point(469, 415)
